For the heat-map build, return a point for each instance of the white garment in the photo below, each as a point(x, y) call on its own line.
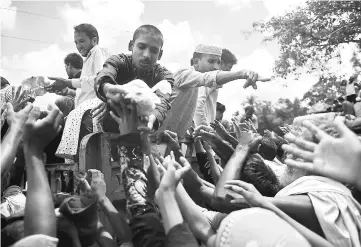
point(14, 201)
point(206, 105)
point(350, 88)
point(68, 146)
point(93, 63)
point(337, 211)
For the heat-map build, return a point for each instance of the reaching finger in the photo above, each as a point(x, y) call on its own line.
point(184, 162)
point(303, 144)
point(307, 166)
point(27, 108)
point(172, 155)
point(239, 183)
point(339, 124)
point(182, 171)
point(306, 155)
point(18, 90)
point(34, 114)
point(54, 112)
point(115, 117)
point(10, 108)
point(315, 130)
point(236, 188)
point(116, 109)
point(100, 106)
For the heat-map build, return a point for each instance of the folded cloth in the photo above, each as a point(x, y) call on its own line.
point(83, 212)
point(14, 201)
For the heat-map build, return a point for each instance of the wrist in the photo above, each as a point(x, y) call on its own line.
point(102, 200)
point(68, 83)
point(163, 193)
point(242, 75)
point(33, 150)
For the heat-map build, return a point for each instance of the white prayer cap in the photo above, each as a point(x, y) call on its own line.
point(208, 49)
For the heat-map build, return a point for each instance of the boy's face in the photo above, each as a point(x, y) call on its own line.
point(83, 43)
point(207, 63)
point(145, 51)
point(226, 66)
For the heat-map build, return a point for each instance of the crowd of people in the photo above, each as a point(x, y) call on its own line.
point(294, 186)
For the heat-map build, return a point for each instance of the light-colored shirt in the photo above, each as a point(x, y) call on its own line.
point(337, 211)
point(184, 98)
point(206, 106)
point(93, 63)
point(350, 88)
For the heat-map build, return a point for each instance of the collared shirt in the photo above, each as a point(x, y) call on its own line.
point(206, 106)
point(119, 70)
point(184, 96)
point(92, 65)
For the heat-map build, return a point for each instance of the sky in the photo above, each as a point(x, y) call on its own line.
point(184, 24)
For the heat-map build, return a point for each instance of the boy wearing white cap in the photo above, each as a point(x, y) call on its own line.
point(204, 72)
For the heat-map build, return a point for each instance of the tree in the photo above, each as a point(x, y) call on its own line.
point(270, 116)
point(312, 34)
point(326, 90)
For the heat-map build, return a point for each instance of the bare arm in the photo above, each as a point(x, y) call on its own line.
point(9, 147)
point(299, 208)
point(216, 173)
point(39, 209)
point(10, 144)
point(195, 218)
point(313, 238)
point(116, 220)
point(231, 171)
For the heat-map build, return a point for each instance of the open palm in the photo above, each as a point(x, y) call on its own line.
point(337, 158)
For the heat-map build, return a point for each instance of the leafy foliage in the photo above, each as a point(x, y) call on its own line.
point(271, 116)
point(311, 35)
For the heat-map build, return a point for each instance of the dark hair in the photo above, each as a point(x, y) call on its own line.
point(256, 172)
point(149, 29)
point(267, 149)
point(341, 99)
point(279, 141)
point(88, 29)
point(75, 60)
point(196, 55)
point(249, 108)
point(221, 107)
point(4, 82)
point(228, 57)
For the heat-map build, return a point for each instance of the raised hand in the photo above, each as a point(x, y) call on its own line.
point(172, 140)
point(173, 175)
point(126, 118)
point(336, 158)
point(39, 133)
point(58, 84)
point(17, 119)
point(219, 128)
point(248, 191)
point(20, 99)
point(97, 184)
point(201, 129)
point(100, 111)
